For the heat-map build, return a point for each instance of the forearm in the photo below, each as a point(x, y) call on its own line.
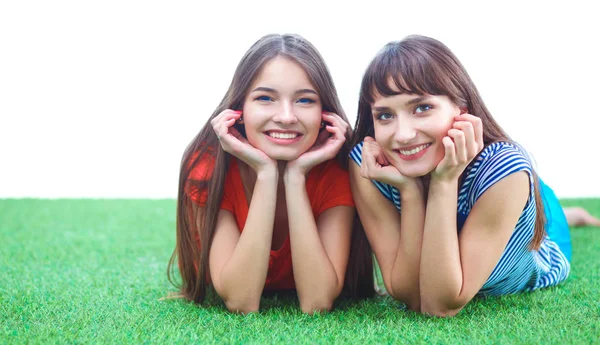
point(316, 280)
point(405, 272)
point(441, 276)
point(243, 276)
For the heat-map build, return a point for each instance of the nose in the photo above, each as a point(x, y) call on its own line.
point(405, 131)
point(285, 114)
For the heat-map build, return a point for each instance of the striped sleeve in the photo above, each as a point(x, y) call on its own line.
point(499, 160)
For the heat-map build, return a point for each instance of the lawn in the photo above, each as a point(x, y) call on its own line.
point(93, 271)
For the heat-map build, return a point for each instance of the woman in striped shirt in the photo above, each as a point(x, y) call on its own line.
point(450, 204)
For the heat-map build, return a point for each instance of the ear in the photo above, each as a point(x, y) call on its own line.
point(323, 123)
point(463, 110)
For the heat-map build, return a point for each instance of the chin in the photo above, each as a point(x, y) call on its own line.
point(283, 156)
point(412, 174)
point(418, 168)
point(414, 171)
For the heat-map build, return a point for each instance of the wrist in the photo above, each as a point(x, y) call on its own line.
point(440, 185)
point(411, 191)
point(267, 173)
point(445, 177)
point(293, 176)
point(409, 186)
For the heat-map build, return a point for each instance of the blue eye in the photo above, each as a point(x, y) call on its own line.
point(384, 116)
point(422, 108)
point(306, 101)
point(263, 98)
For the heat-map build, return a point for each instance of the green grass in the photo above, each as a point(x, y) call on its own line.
point(93, 271)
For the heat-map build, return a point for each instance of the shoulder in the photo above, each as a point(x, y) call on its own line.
point(502, 153)
point(495, 162)
point(201, 165)
point(498, 160)
point(356, 153)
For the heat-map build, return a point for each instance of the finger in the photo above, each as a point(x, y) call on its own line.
point(224, 127)
point(221, 128)
point(477, 128)
point(373, 146)
point(380, 156)
point(465, 117)
point(364, 169)
point(471, 145)
point(223, 117)
point(322, 137)
point(226, 114)
point(449, 151)
point(335, 120)
point(382, 160)
point(237, 135)
point(331, 146)
point(368, 164)
point(337, 133)
point(226, 137)
point(459, 143)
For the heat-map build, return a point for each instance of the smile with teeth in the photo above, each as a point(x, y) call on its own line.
point(278, 135)
point(414, 151)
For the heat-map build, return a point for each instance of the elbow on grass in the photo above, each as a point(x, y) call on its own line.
point(316, 306)
point(242, 306)
point(412, 301)
point(438, 310)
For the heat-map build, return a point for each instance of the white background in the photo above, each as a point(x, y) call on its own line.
point(99, 99)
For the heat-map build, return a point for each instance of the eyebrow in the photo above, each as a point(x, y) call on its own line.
point(381, 109)
point(411, 102)
point(268, 89)
point(418, 100)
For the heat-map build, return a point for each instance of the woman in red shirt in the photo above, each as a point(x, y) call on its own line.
point(264, 198)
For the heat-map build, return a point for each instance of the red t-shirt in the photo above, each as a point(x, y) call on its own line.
point(327, 186)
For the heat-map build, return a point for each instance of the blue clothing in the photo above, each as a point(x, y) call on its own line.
point(557, 227)
point(519, 268)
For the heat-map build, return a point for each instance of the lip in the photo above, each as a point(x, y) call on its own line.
point(414, 156)
point(283, 141)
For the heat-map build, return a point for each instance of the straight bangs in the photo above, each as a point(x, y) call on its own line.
point(398, 69)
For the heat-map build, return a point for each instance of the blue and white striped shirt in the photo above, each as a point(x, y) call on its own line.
point(519, 268)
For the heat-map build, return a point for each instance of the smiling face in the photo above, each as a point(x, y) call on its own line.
point(410, 128)
point(282, 110)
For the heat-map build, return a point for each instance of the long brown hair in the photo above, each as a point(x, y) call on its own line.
point(197, 224)
point(422, 65)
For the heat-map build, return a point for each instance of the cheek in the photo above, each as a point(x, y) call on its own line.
point(250, 111)
point(312, 121)
point(440, 148)
point(442, 132)
point(384, 135)
point(439, 130)
point(378, 132)
point(439, 126)
point(251, 125)
point(440, 152)
point(253, 115)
